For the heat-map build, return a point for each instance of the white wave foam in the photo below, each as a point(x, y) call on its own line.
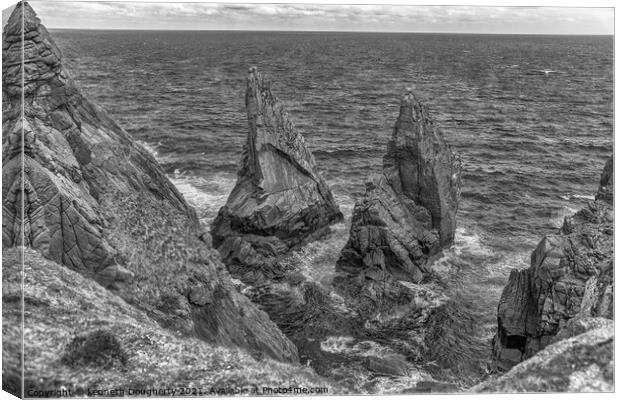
point(557, 219)
point(337, 344)
point(465, 239)
point(569, 197)
point(154, 151)
point(350, 346)
point(193, 195)
point(583, 196)
point(470, 250)
point(150, 148)
point(467, 242)
point(206, 195)
point(346, 204)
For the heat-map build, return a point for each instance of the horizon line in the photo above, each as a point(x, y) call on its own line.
point(327, 31)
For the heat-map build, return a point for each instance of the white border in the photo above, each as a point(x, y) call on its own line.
point(537, 3)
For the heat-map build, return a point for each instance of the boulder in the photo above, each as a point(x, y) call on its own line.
point(407, 214)
point(570, 276)
point(389, 233)
point(388, 365)
point(90, 198)
point(576, 326)
point(279, 200)
point(583, 363)
point(113, 275)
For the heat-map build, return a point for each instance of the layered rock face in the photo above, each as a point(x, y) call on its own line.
point(606, 184)
point(96, 202)
point(570, 277)
point(401, 224)
point(73, 153)
point(581, 361)
point(408, 213)
point(420, 166)
point(79, 336)
point(279, 200)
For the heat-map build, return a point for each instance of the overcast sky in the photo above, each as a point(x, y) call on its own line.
point(387, 18)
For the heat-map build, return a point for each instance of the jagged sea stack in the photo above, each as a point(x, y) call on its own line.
point(95, 201)
point(408, 213)
point(279, 200)
point(569, 281)
point(420, 166)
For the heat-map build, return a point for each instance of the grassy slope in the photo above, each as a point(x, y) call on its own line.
point(62, 305)
point(583, 363)
point(160, 246)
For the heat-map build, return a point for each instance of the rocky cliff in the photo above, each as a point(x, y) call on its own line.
point(420, 166)
point(73, 153)
point(80, 336)
point(401, 224)
point(579, 359)
point(606, 184)
point(408, 213)
point(80, 191)
point(279, 200)
point(570, 277)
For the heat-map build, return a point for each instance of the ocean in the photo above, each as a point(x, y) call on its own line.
point(530, 116)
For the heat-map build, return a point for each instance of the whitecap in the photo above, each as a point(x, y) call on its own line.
point(337, 344)
point(569, 197)
point(207, 196)
point(345, 202)
point(153, 150)
point(584, 196)
point(546, 71)
point(149, 147)
point(469, 241)
point(350, 346)
point(557, 218)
